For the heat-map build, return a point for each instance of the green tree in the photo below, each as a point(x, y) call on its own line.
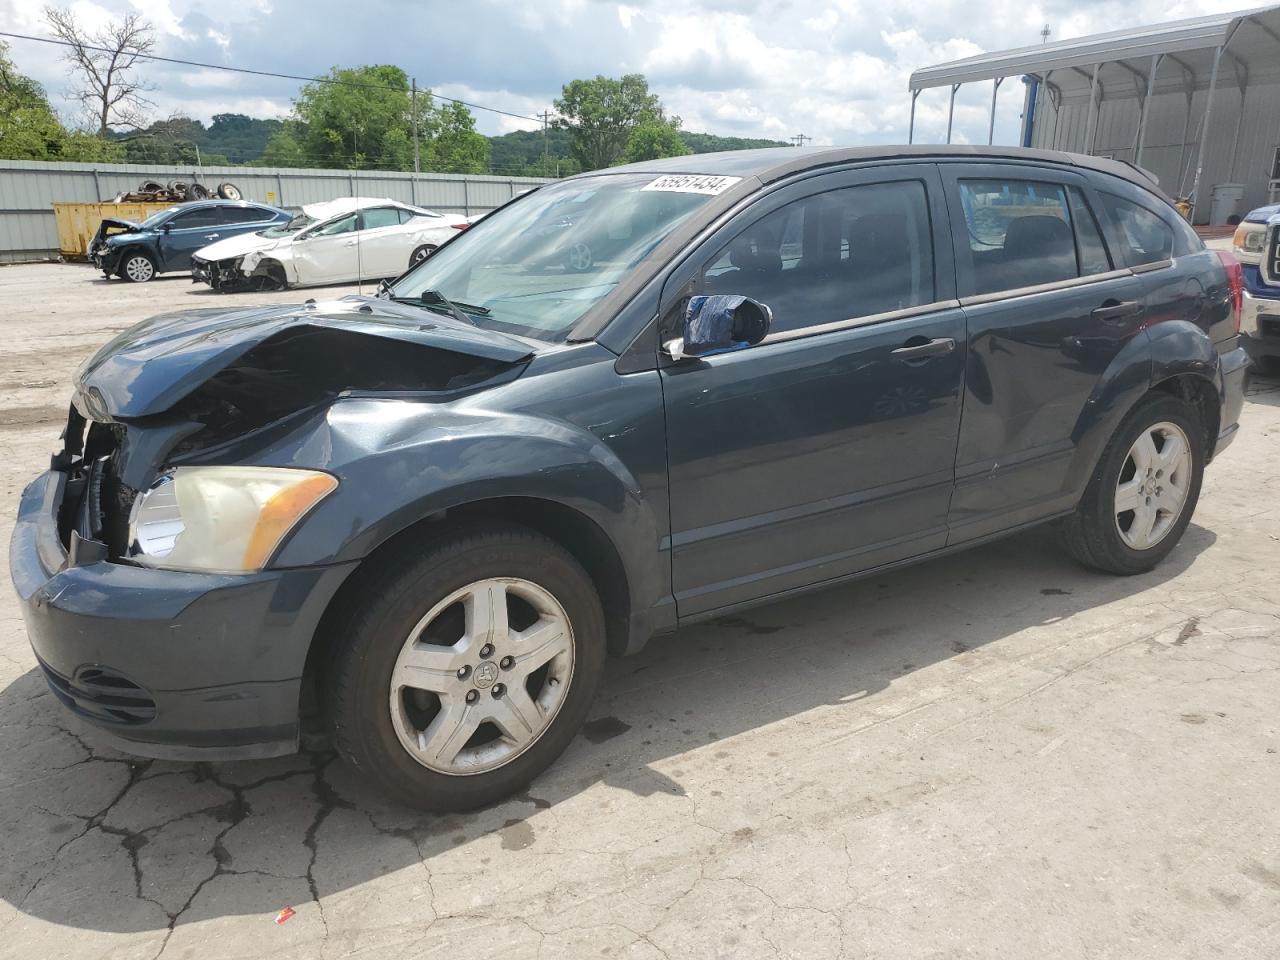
point(603, 114)
point(454, 145)
point(365, 120)
point(30, 130)
point(656, 137)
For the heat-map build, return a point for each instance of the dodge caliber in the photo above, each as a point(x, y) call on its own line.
point(428, 516)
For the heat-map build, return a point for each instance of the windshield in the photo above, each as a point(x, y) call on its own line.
point(535, 267)
point(284, 229)
point(156, 219)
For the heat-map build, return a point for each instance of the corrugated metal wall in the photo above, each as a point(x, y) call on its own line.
point(1163, 152)
point(28, 189)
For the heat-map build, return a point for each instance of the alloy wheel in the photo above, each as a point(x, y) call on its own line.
point(139, 269)
point(481, 677)
point(1154, 484)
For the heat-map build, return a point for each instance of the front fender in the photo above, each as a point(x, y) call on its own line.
point(399, 463)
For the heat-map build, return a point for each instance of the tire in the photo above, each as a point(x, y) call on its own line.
point(150, 186)
point(1113, 541)
point(179, 189)
point(137, 266)
point(424, 251)
point(415, 593)
point(198, 191)
point(229, 191)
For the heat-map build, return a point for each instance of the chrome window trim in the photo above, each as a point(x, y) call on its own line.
point(835, 326)
point(981, 298)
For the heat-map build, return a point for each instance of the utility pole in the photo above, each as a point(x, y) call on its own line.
point(413, 105)
point(799, 139)
point(1044, 33)
point(545, 116)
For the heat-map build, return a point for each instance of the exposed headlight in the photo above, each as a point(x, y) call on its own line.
point(221, 518)
point(1249, 238)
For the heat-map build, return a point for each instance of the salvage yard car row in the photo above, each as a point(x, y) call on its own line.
point(236, 246)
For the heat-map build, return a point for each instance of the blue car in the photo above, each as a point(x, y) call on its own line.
point(165, 241)
point(433, 513)
point(1257, 247)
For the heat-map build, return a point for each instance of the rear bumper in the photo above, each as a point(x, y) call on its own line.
point(167, 664)
point(1235, 380)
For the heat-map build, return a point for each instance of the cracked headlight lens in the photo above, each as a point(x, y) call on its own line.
point(228, 519)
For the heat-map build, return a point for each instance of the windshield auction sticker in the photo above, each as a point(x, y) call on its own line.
point(692, 183)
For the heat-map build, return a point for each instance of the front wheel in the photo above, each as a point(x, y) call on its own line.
point(466, 669)
point(1144, 490)
point(137, 267)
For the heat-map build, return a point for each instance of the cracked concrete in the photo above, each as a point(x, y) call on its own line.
point(996, 754)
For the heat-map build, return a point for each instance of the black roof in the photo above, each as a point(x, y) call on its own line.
point(774, 163)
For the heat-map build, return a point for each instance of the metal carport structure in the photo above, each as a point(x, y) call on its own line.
point(1134, 74)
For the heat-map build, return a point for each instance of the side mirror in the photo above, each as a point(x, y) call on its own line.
point(718, 324)
point(166, 226)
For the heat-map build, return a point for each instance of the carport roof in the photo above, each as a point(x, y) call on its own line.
point(1252, 38)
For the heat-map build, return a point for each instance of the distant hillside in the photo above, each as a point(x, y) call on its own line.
point(230, 138)
point(710, 143)
point(520, 153)
point(234, 138)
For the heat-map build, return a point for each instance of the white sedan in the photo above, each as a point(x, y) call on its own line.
point(340, 241)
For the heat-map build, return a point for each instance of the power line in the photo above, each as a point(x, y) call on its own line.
point(268, 73)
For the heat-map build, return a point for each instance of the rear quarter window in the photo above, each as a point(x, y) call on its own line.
point(1145, 236)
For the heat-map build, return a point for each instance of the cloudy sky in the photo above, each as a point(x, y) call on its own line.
point(835, 71)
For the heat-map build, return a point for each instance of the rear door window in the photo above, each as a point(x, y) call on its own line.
point(231, 215)
point(380, 217)
point(1147, 238)
point(208, 217)
point(840, 255)
point(1019, 233)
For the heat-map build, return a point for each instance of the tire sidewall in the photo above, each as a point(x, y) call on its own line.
point(1102, 510)
point(381, 632)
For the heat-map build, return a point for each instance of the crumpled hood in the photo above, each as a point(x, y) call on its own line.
point(237, 246)
point(153, 365)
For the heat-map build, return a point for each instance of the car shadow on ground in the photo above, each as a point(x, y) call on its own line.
point(100, 841)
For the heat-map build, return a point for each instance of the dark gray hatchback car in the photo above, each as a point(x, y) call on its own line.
point(767, 371)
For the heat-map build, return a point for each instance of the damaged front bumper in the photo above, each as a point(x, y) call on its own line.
point(167, 664)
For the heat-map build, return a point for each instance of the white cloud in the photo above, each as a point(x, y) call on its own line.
point(834, 70)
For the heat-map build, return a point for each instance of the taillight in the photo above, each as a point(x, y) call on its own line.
point(460, 226)
point(1235, 283)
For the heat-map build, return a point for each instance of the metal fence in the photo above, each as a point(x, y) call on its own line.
point(28, 189)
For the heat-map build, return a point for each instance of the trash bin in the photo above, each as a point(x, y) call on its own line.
point(1224, 202)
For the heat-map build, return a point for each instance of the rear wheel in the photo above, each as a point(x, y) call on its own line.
point(137, 267)
point(467, 669)
point(1144, 490)
point(424, 251)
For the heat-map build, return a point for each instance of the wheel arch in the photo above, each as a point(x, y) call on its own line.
point(141, 248)
point(571, 529)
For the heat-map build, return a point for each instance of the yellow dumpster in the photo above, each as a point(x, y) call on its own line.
point(78, 222)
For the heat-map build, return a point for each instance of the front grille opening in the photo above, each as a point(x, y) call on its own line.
point(96, 504)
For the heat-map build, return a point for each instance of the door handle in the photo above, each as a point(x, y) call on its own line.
point(349, 243)
point(911, 352)
point(1113, 311)
point(211, 236)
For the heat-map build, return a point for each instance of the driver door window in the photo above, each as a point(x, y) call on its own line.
point(834, 256)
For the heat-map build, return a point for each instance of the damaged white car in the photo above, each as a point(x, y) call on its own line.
point(338, 241)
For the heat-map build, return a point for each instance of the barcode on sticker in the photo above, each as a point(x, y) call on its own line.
point(692, 183)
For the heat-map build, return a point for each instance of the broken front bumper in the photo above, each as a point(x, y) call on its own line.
point(167, 664)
